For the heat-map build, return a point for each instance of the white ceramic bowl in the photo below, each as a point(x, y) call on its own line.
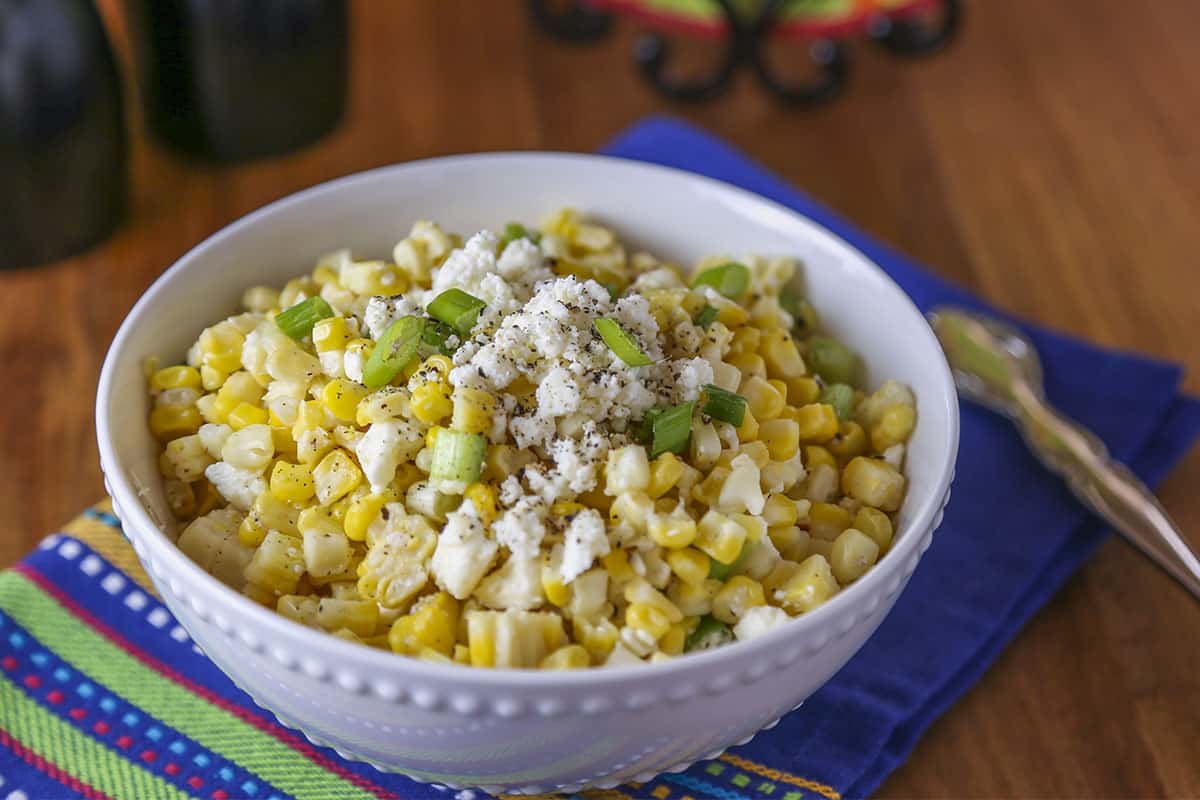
point(511, 730)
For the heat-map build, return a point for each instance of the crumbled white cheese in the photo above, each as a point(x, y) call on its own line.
point(742, 491)
point(213, 436)
point(381, 312)
point(463, 554)
point(520, 528)
point(584, 541)
point(384, 447)
point(758, 621)
point(239, 486)
point(353, 363)
point(515, 586)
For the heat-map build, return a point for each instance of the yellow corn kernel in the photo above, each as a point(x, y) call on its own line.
point(827, 520)
point(708, 491)
point(754, 526)
point(358, 616)
point(782, 437)
point(171, 422)
point(821, 547)
point(647, 619)
point(432, 623)
point(781, 356)
point(779, 510)
point(750, 364)
point(503, 460)
point(386, 404)
point(616, 563)
point(292, 483)
point(597, 636)
point(746, 340)
point(818, 422)
point(894, 426)
point(852, 555)
point(331, 333)
point(251, 532)
point(639, 590)
point(749, 429)
point(220, 347)
point(462, 654)
point(571, 656)
point(790, 541)
point(810, 585)
point(730, 313)
point(720, 537)
point(361, 512)
point(374, 278)
point(473, 410)
point(555, 590)
point(873, 482)
point(816, 455)
point(239, 387)
point(763, 399)
point(439, 364)
point(277, 564)
point(309, 414)
point(739, 594)
point(342, 396)
point(674, 530)
point(632, 509)
point(851, 440)
point(177, 377)
point(672, 643)
point(483, 497)
point(244, 414)
point(689, 564)
point(335, 476)
point(876, 524)
point(802, 391)
point(757, 451)
point(665, 472)
point(430, 402)
point(565, 508)
point(694, 599)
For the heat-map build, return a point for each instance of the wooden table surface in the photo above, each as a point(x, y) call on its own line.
point(1048, 161)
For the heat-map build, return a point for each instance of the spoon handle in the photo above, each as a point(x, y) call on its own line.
point(1105, 486)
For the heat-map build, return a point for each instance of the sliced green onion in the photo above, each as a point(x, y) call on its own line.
point(643, 432)
point(394, 350)
point(671, 429)
point(832, 360)
point(841, 397)
point(621, 342)
point(457, 456)
point(724, 405)
point(732, 279)
point(457, 309)
point(706, 317)
point(720, 570)
point(514, 231)
point(297, 321)
point(709, 633)
point(436, 334)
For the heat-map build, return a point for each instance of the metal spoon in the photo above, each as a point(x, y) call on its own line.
point(996, 366)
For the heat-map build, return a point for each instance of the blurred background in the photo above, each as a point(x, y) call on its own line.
point(1040, 153)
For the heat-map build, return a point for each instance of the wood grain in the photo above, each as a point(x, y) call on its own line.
point(1048, 161)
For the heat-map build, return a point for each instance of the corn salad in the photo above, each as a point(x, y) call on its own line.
point(531, 449)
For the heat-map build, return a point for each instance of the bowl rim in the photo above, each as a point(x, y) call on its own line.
point(139, 521)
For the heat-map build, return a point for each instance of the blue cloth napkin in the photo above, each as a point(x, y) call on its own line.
point(1011, 529)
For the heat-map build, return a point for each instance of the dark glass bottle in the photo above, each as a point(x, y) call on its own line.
point(228, 80)
point(62, 131)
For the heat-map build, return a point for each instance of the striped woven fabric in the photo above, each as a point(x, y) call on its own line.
point(103, 695)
